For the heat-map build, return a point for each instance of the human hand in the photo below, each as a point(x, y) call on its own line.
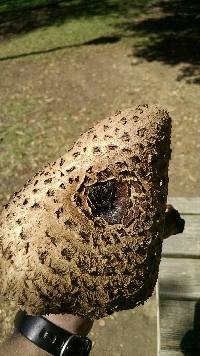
point(71, 323)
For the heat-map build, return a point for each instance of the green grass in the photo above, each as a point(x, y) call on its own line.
point(29, 138)
point(31, 128)
point(13, 5)
point(94, 5)
point(72, 32)
point(71, 23)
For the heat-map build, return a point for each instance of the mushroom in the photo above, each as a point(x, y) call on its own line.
point(84, 235)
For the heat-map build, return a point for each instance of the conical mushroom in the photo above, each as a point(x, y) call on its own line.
point(84, 235)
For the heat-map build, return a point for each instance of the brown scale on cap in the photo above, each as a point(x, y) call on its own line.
point(88, 239)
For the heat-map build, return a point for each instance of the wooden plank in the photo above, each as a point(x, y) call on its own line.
point(186, 244)
point(179, 278)
point(176, 320)
point(186, 205)
point(171, 353)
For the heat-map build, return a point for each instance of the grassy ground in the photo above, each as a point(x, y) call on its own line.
point(65, 23)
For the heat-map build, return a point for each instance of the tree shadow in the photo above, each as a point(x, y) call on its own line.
point(22, 19)
point(170, 33)
point(22, 16)
point(190, 344)
point(103, 40)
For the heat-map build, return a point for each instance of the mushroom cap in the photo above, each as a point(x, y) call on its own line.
point(84, 235)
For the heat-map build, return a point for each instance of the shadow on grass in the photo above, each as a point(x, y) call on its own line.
point(171, 34)
point(22, 16)
point(97, 41)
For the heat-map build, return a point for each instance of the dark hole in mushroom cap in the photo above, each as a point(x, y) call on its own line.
point(101, 196)
point(109, 200)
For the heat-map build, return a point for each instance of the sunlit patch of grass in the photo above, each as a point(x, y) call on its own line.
point(70, 33)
